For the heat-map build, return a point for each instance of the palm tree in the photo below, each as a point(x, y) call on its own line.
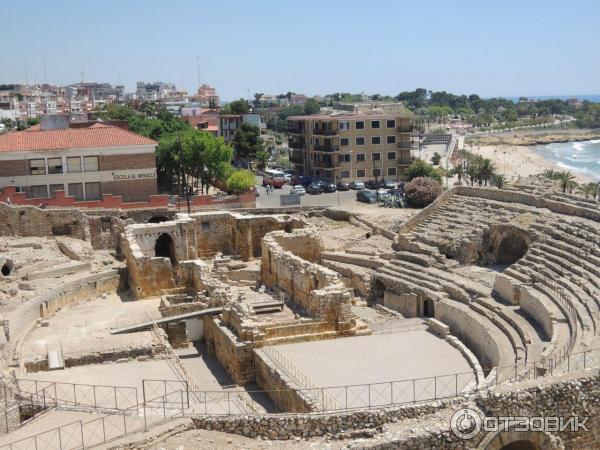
point(590, 189)
point(567, 181)
point(550, 174)
point(486, 170)
point(459, 171)
point(499, 180)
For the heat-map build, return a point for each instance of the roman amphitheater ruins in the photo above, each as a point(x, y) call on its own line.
point(309, 326)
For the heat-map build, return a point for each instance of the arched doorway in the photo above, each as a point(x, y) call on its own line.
point(377, 292)
point(511, 249)
point(428, 308)
point(164, 247)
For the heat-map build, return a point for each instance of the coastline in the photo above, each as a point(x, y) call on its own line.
point(514, 154)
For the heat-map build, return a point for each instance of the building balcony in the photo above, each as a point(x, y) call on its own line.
point(296, 144)
point(325, 132)
point(296, 130)
point(405, 161)
point(405, 128)
point(325, 164)
point(404, 145)
point(326, 148)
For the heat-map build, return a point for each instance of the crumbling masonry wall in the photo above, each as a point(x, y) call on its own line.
point(317, 289)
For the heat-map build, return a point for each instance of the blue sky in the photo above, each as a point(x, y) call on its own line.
point(507, 48)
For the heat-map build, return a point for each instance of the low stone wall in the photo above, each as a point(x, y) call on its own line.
point(86, 288)
point(474, 334)
point(531, 302)
point(114, 355)
point(280, 388)
point(574, 395)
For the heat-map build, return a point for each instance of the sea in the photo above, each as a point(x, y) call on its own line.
point(594, 98)
point(581, 157)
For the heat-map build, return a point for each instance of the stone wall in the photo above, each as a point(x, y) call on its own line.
point(31, 221)
point(83, 289)
point(235, 355)
point(574, 395)
point(283, 391)
point(317, 289)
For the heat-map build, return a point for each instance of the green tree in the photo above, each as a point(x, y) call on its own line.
point(311, 106)
point(262, 158)
point(422, 169)
point(436, 158)
point(240, 106)
point(567, 181)
point(240, 181)
point(247, 142)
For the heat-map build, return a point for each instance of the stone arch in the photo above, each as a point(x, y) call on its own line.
point(508, 244)
point(521, 440)
point(165, 247)
point(158, 219)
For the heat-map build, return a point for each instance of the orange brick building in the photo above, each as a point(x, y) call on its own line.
point(85, 163)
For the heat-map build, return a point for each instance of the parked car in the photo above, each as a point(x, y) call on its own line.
point(287, 177)
point(329, 187)
point(372, 184)
point(389, 184)
point(298, 189)
point(357, 185)
point(383, 194)
point(303, 180)
point(343, 186)
point(314, 188)
point(366, 196)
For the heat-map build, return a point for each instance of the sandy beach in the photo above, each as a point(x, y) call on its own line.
point(519, 161)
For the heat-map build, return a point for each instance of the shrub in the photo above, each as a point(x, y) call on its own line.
point(240, 181)
point(422, 191)
point(436, 158)
point(422, 169)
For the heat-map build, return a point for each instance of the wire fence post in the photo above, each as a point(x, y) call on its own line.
point(82, 439)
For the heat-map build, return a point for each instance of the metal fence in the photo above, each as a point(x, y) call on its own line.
point(181, 402)
point(98, 397)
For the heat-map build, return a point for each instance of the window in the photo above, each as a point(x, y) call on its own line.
point(377, 172)
point(92, 191)
point(360, 157)
point(391, 155)
point(74, 164)
point(375, 140)
point(76, 190)
point(38, 191)
point(55, 165)
point(345, 174)
point(391, 139)
point(344, 141)
point(359, 125)
point(375, 124)
point(344, 125)
point(360, 141)
point(37, 167)
point(90, 164)
point(390, 123)
point(360, 173)
point(377, 156)
point(56, 187)
point(392, 171)
point(347, 158)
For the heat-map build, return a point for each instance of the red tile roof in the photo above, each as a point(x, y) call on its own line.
point(92, 137)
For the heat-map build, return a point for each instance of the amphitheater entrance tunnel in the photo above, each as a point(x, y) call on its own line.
point(165, 248)
point(511, 249)
point(427, 308)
